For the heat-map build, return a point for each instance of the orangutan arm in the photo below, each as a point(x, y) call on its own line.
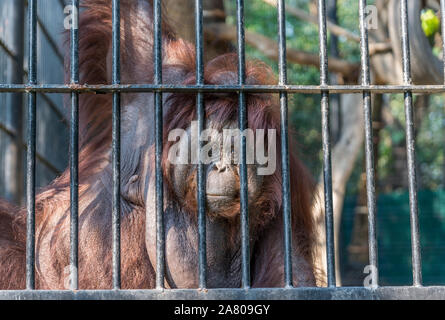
point(268, 260)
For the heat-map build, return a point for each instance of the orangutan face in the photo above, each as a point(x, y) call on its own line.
point(220, 156)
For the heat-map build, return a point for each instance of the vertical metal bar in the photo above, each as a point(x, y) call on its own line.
point(14, 106)
point(369, 147)
point(160, 234)
point(282, 66)
point(31, 150)
point(201, 194)
point(242, 124)
point(74, 154)
point(410, 149)
point(326, 137)
point(442, 15)
point(116, 142)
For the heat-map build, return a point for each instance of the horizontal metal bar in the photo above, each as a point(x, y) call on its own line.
point(310, 89)
point(45, 97)
point(51, 104)
point(341, 293)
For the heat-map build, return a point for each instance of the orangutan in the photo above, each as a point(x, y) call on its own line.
point(138, 216)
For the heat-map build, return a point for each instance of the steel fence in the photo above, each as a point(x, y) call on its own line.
point(416, 291)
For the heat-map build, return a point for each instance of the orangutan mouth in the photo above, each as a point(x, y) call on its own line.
point(221, 196)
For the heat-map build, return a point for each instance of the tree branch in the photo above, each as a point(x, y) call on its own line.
point(306, 16)
point(344, 156)
point(269, 48)
point(374, 48)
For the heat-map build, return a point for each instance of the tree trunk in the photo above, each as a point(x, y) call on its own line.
point(344, 155)
point(358, 250)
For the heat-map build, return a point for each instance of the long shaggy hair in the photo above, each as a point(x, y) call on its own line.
point(263, 113)
point(95, 33)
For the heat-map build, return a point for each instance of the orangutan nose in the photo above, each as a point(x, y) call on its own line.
point(220, 166)
point(221, 180)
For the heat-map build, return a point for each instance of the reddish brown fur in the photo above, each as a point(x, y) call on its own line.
point(12, 248)
point(263, 113)
point(95, 137)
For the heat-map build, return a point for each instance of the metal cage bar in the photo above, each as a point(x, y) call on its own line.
point(285, 170)
point(134, 88)
point(369, 146)
point(242, 125)
point(116, 147)
point(283, 89)
point(31, 150)
point(160, 233)
point(410, 148)
point(331, 293)
point(201, 183)
point(74, 153)
point(442, 15)
point(326, 137)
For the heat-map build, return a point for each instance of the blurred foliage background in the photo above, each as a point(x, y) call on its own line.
point(304, 109)
point(393, 209)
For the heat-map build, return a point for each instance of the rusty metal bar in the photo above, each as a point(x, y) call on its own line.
point(326, 137)
point(410, 149)
point(201, 182)
point(74, 154)
point(116, 147)
point(160, 232)
point(285, 170)
point(340, 293)
point(369, 146)
point(31, 151)
point(308, 89)
point(242, 124)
